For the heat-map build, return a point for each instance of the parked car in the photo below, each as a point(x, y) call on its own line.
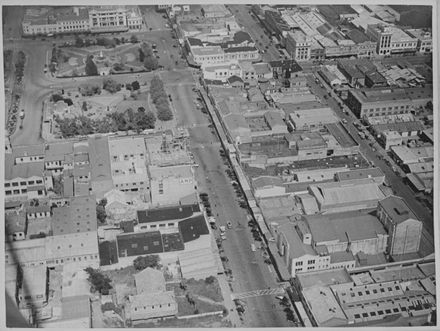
point(229, 224)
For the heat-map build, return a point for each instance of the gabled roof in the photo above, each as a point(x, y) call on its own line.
point(234, 79)
point(264, 181)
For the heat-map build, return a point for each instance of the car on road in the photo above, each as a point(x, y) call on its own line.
point(223, 236)
point(229, 224)
point(344, 121)
point(222, 229)
point(253, 248)
point(22, 114)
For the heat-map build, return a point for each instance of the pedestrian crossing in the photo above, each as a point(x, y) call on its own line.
point(258, 293)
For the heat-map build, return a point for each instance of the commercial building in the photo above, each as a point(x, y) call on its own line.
point(77, 248)
point(97, 19)
point(46, 21)
point(359, 174)
point(298, 45)
point(108, 19)
point(424, 39)
point(404, 229)
point(171, 185)
point(398, 133)
point(391, 40)
point(366, 102)
point(312, 119)
point(346, 195)
point(34, 286)
point(129, 164)
point(348, 231)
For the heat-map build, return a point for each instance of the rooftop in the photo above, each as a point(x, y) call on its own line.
point(79, 216)
point(324, 306)
point(397, 209)
point(344, 226)
point(22, 170)
point(35, 280)
point(359, 174)
point(324, 278)
point(192, 228)
point(297, 248)
point(166, 213)
point(99, 159)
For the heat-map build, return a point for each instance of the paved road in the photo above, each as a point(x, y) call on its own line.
point(249, 271)
point(258, 34)
point(377, 158)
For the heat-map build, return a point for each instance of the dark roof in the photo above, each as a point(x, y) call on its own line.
point(397, 209)
point(108, 253)
point(140, 243)
point(376, 77)
point(239, 49)
point(193, 228)
point(357, 36)
point(241, 36)
point(127, 226)
point(343, 9)
point(12, 204)
point(276, 64)
point(234, 79)
point(167, 213)
point(194, 41)
point(213, 82)
point(292, 65)
point(79, 216)
point(172, 242)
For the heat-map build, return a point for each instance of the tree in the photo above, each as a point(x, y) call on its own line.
point(210, 280)
point(101, 214)
point(98, 281)
point(111, 85)
point(135, 85)
point(84, 106)
point(141, 55)
point(91, 69)
point(79, 42)
point(151, 63)
point(133, 39)
point(141, 109)
point(147, 261)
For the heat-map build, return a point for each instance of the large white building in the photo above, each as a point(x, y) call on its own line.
point(391, 40)
point(47, 21)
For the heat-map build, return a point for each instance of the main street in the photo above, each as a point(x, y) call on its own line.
point(249, 270)
point(262, 41)
point(377, 157)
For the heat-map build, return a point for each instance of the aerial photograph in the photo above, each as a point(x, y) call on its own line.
point(219, 165)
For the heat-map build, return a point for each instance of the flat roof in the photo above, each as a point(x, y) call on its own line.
point(324, 306)
point(99, 158)
point(296, 247)
point(323, 278)
point(359, 174)
point(166, 213)
point(397, 209)
point(345, 226)
point(79, 216)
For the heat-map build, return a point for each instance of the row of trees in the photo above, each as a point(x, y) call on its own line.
point(147, 57)
point(91, 68)
point(160, 99)
point(103, 41)
point(117, 121)
point(100, 283)
point(19, 65)
point(111, 85)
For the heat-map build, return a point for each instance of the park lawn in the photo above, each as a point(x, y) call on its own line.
point(122, 276)
point(200, 307)
point(198, 322)
point(201, 288)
